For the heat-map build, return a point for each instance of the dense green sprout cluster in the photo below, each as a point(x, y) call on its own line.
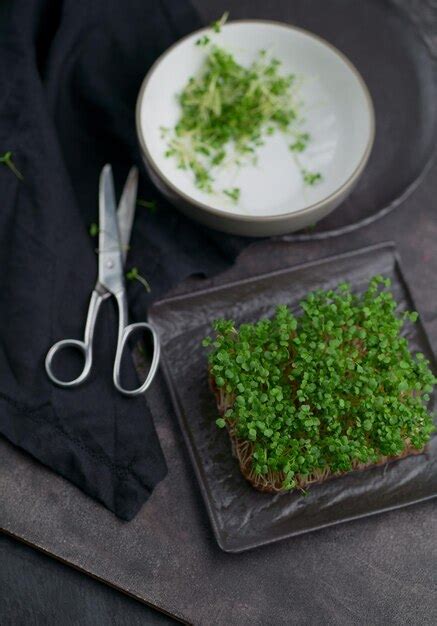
point(331, 388)
point(227, 110)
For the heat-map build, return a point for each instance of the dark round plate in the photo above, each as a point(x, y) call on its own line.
point(394, 60)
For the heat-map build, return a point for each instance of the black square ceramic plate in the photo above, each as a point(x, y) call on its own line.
point(241, 517)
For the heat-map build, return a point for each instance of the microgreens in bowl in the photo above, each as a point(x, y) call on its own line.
point(334, 389)
point(228, 110)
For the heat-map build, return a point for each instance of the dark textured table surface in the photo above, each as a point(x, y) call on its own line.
point(381, 570)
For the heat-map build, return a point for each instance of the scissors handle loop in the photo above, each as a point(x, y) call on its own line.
point(64, 345)
point(85, 346)
point(125, 330)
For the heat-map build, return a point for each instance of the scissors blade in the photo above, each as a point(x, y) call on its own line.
point(126, 210)
point(110, 254)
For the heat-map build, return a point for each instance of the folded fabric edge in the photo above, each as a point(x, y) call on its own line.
point(90, 472)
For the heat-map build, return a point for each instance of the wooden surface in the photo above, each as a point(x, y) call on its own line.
point(372, 571)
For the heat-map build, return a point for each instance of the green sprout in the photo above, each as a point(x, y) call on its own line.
point(227, 111)
point(233, 193)
point(311, 178)
point(326, 392)
point(217, 24)
point(300, 142)
point(94, 229)
point(151, 205)
point(203, 41)
point(133, 274)
point(6, 159)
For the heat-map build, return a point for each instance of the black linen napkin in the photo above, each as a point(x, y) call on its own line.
point(70, 74)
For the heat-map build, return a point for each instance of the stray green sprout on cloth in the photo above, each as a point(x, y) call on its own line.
point(227, 111)
point(150, 205)
point(134, 274)
point(334, 389)
point(94, 229)
point(6, 159)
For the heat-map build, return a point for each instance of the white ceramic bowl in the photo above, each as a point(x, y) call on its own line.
point(274, 200)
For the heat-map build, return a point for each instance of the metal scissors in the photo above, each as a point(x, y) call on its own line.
point(114, 234)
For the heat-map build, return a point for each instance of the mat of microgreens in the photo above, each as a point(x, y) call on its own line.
point(333, 389)
point(241, 516)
